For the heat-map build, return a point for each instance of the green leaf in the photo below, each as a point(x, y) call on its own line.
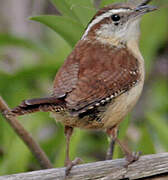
point(22, 156)
point(83, 9)
point(65, 9)
point(68, 29)
point(152, 36)
point(159, 103)
point(106, 2)
point(11, 40)
point(160, 127)
point(145, 144)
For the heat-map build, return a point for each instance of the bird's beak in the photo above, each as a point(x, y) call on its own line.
point(145, 9)
point(141, 10)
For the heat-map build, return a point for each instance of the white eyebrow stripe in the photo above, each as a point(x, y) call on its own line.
point(101, 17)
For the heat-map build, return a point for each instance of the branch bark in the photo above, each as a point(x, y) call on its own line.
point(147, 167)
point(25, 136)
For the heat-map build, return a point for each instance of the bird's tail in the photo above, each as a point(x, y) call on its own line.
point(39, 104)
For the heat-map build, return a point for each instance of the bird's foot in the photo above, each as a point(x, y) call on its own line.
point(69, 164)
point(132, 157)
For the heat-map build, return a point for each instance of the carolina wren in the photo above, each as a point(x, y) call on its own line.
point(102, 79)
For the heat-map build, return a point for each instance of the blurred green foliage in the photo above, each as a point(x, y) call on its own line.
point(33, 78)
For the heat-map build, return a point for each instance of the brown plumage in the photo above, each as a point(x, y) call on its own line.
point(96, 72)
point(48, 104)
point(91, 73)
point(102, 79)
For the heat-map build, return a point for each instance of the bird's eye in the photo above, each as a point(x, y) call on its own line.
point(115, 17)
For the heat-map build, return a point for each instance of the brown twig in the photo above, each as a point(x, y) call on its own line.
point(25, 136)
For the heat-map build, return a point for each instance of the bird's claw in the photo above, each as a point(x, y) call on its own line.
point(132, 157)
point(70, 164)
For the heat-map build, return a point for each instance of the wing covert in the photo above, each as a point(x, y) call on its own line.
point(104, 72)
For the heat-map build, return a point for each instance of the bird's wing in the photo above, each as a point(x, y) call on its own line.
point(67, 76)
point(92, 74)
point(100, 72)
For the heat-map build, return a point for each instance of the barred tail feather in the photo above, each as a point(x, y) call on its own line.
point(47, 104)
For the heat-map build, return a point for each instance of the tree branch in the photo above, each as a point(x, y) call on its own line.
point(147, 167)
point(25, 136)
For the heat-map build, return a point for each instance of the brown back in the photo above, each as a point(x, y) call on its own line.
point(93, 72)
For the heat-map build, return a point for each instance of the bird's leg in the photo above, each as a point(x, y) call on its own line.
point(68, 163)
point(68, 133)
point(130, 156)
point(110, 151)
point(112, 135)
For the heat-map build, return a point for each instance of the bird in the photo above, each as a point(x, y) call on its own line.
point(102, 78)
